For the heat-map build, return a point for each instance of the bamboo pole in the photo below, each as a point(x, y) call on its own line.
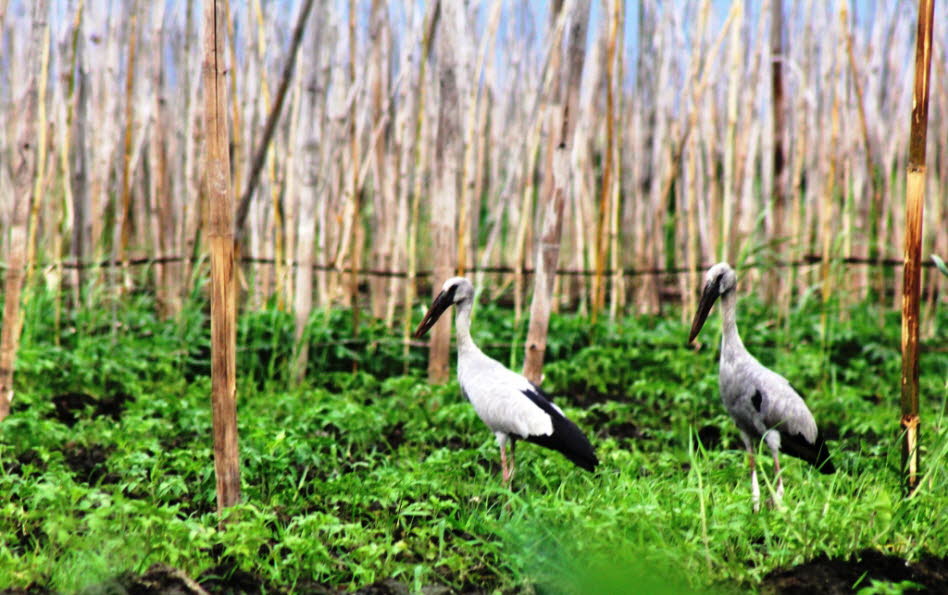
point(383, 215)
point(163, 223)
point(273, 116)
point(467, 215)
point(448, 153)
point(420, 158)
point(78, 198)
point(354, 188)
point(728, 199)
point(550, 236)
point(24, 174)
point(828, 203)
point(617, 288)
point(41, 151)
point(221, 237)
point(309, 166)
point(911, 272)
point(126, 196)
point(602, 239)
point(193, 191)
point(781, 173)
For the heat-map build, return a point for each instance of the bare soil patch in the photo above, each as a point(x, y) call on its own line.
point(837, 576)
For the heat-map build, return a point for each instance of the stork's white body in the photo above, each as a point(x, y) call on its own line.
point(509, 404)
point(761, 402)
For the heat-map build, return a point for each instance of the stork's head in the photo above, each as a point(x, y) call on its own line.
point(719, 280)
point(455, 290)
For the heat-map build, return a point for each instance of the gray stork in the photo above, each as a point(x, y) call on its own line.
point(511, 406)
point(761, 402)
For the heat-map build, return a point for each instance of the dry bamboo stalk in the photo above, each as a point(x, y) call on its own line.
point(827, 211)
point(691, 280)
point(223, 286)
point(276, 218)
point(552, 116)
point(467, 238)
point(401, 166)
point(237, 130)
point(41, 152)
point(914, 208)
point(77, 199)
point(444, 202)
point(615, 263)
point(193, 195)
point(523, 223)
point(548, 246)
point(599, 292)
point(872, 172)
point(727, 206)
point(312, 130)
point(163, 224)
point(781, 174)
point(382, 197)
point(24, 171)
point(354, 190)
point(126, 196)
point(273, 115)
point(548, 251)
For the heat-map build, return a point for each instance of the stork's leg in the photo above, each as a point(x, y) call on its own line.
point(778, 495)
point(752, 461)
point(503, 464)
point(513, 447)
point(505, 470)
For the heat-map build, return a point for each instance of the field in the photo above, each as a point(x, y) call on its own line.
point(375, 479)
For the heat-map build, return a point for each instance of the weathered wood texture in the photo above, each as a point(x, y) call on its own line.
point(220, 233)
point(912, 273)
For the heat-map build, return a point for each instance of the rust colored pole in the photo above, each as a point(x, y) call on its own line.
point(220, 234)
point(912, 268)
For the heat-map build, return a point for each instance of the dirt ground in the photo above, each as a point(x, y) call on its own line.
point(834, 576)
point(821, 575)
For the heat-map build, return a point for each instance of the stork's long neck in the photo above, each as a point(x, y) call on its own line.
point(463, 323)
point(731, 343)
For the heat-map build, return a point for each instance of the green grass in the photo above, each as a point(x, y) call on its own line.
point(358, 477)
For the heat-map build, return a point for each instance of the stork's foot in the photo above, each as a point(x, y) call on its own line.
point(775, 502)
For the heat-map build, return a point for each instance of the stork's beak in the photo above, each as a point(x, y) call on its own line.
point(442, 302)
point(708, 297)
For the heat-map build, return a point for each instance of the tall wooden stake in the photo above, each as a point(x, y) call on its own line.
point(221, 237)
point(912, 269)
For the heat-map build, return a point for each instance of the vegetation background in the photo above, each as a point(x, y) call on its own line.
point(376, 147)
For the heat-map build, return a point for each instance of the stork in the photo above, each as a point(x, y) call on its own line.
point(509, 404)
point(761, 402)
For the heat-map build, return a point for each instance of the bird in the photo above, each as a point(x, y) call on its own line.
point(762, 403)
point(510, 405)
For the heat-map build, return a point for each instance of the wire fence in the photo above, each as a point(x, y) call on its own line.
point(807, 260)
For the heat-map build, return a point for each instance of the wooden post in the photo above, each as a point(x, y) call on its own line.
point(221, 237)
point(912, 269)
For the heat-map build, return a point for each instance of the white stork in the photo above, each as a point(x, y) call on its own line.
point(761, 402)
point(511, 406)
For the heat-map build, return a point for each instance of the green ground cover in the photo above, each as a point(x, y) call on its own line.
point(355, 477)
